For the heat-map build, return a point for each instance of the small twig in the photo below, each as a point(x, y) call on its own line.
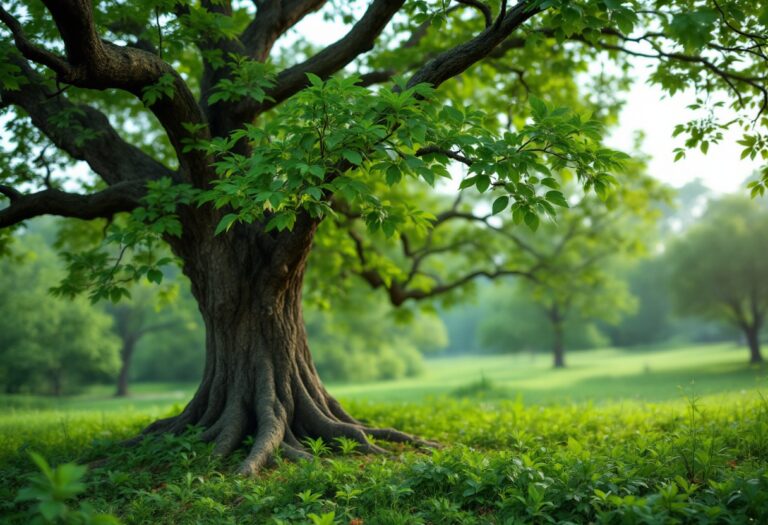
point(159, 33)
point(482, 7)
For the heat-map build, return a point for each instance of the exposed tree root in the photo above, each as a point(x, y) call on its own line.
point(280, 416)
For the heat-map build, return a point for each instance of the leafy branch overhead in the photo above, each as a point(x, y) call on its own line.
point(337, 140)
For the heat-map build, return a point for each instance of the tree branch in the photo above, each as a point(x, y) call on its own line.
point(98, 64)
point(121, 197)
point(12, 193)
point(107, 154)
point(273, 19)
point(360, 39)
point(457, 59)
point(482, 7)
point(28, 49)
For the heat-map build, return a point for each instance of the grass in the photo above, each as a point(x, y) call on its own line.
point(617, 438)
point(605, 376)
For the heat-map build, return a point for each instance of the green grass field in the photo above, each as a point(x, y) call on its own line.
point(672, 436)
point(601, 376)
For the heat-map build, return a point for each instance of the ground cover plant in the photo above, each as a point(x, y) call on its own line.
point(691, 448)
point(688, 461)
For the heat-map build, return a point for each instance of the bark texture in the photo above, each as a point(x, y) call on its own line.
point(557, 320)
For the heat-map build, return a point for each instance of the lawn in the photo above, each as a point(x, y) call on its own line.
point(602, 376)
point(652, 436)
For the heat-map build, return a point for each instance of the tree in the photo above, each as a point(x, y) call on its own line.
point(531, 330)
point(48, 345)
point(144, 314)
point(719, 270)
point(575, 259)
point(241, 153)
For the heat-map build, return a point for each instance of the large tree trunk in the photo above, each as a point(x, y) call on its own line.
point(259, 379)
point(753, 340)
point(126, 354)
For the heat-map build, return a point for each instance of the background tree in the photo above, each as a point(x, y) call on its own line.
point(146, 313)
point(515, 322)
point(575, 259)
point(719, 270)
point(350, 342)
point(240, 152)
point(48, 345)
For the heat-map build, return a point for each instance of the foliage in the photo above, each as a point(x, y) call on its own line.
point(350, 343)
point(51, 489)
point(718, 269)
point(680, 462)
point(47, 344)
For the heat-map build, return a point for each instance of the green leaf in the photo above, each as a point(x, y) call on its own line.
point(499, 205)
point(352, 156)
point(532, 220)
point(226, 223)
point(556, 197)
point(483, 183)
point(155, 276)
point(538, 107)
point(314, 80)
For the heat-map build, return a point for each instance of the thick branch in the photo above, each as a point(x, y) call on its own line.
point(360, 39)
point(12, 193)
point(273, 18)
point(97, 64)
point(456, 60)
point(121, 197)
point(107, 154)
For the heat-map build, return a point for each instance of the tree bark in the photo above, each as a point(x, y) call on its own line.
point(558, 347)
point(126, 354)
point(259, 379)
point(753, 341)
point(558, 337)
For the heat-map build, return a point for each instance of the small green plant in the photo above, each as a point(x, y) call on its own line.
point(317, 446)
point(308, 497)
point(328, 518)
point(346, 446)
point(52, 488)
point(483, 388)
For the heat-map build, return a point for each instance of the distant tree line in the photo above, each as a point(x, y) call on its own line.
point(51, 345)
point(701, 278)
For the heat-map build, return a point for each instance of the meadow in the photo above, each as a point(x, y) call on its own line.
point(642, 436)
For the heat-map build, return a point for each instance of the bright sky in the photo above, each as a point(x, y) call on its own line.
point(656, 114)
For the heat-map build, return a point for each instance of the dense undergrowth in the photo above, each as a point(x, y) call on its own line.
point(688, 462)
